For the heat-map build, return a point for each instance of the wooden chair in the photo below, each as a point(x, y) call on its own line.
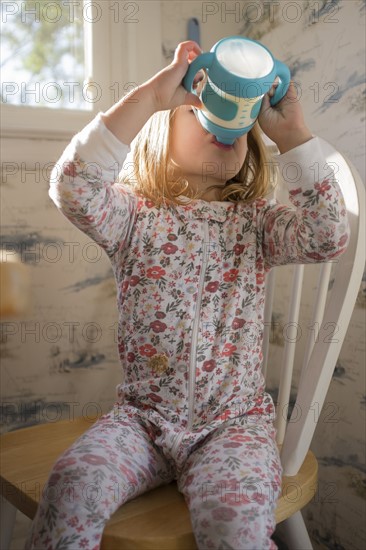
point(160, 519)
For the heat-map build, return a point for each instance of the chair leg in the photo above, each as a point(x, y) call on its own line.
point(7, 521)
point(294, 534)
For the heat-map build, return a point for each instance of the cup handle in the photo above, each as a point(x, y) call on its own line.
point(283, 73)
point(203, 61)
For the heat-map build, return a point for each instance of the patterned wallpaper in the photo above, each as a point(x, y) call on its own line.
point(60, 361)
point(323, 44)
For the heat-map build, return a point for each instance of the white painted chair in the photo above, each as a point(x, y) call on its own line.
point(160, 519)
point(332, 310)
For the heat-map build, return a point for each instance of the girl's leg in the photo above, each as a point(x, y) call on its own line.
point(109, 464)
point(231, 483)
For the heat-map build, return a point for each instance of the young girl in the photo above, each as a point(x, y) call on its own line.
point(191, 240)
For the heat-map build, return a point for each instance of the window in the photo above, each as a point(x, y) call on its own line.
point(54, 64)
point(63, 61)
point(45, 55)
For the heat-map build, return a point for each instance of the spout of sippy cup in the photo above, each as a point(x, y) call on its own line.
point(225, 141)
point(226, 136)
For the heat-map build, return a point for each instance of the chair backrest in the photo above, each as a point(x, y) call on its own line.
point(333, 299)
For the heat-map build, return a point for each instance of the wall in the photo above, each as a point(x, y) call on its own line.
point(61, 359)
point(323, 44)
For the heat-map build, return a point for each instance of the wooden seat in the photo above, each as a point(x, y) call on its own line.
point(162, 512)
point(160, 519)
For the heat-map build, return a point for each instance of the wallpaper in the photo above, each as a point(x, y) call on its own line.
point(60, 361)
point(323, 43)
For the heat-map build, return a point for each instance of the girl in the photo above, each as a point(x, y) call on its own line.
point(191, 241)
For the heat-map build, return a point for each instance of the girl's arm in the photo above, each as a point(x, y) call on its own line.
point(83, 186)
point(316, 228)
point(83, 180)
point(162, 92)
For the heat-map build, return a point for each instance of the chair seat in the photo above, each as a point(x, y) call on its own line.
point(157, 520)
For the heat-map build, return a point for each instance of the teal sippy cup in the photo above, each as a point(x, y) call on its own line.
point(238, 73)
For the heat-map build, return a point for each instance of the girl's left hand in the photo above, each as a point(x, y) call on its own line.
point(284, 123)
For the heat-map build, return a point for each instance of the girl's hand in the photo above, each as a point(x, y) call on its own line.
point(284, 123)
point(161, 92)
point(167, 87)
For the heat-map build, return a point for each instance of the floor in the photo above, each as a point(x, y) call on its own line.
point(22, 524)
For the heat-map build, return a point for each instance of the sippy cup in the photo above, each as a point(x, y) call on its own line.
point(238, 72)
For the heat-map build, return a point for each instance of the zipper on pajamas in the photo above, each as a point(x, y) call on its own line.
point(192, 363)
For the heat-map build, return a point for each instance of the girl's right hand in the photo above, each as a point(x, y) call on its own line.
point(166, 85)
point(162, 92)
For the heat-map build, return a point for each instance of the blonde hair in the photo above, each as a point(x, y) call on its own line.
point(151, 164)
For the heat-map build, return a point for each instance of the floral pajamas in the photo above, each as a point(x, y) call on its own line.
point(230, 477)
point(190, 288)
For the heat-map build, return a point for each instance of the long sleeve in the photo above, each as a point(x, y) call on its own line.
point(83, 186)
point(316, 228)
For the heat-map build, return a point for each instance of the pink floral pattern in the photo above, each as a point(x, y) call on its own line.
point(230, 477)
point(190, 283)
point(157, 255)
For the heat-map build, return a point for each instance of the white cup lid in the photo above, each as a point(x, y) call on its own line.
point(244, 58)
